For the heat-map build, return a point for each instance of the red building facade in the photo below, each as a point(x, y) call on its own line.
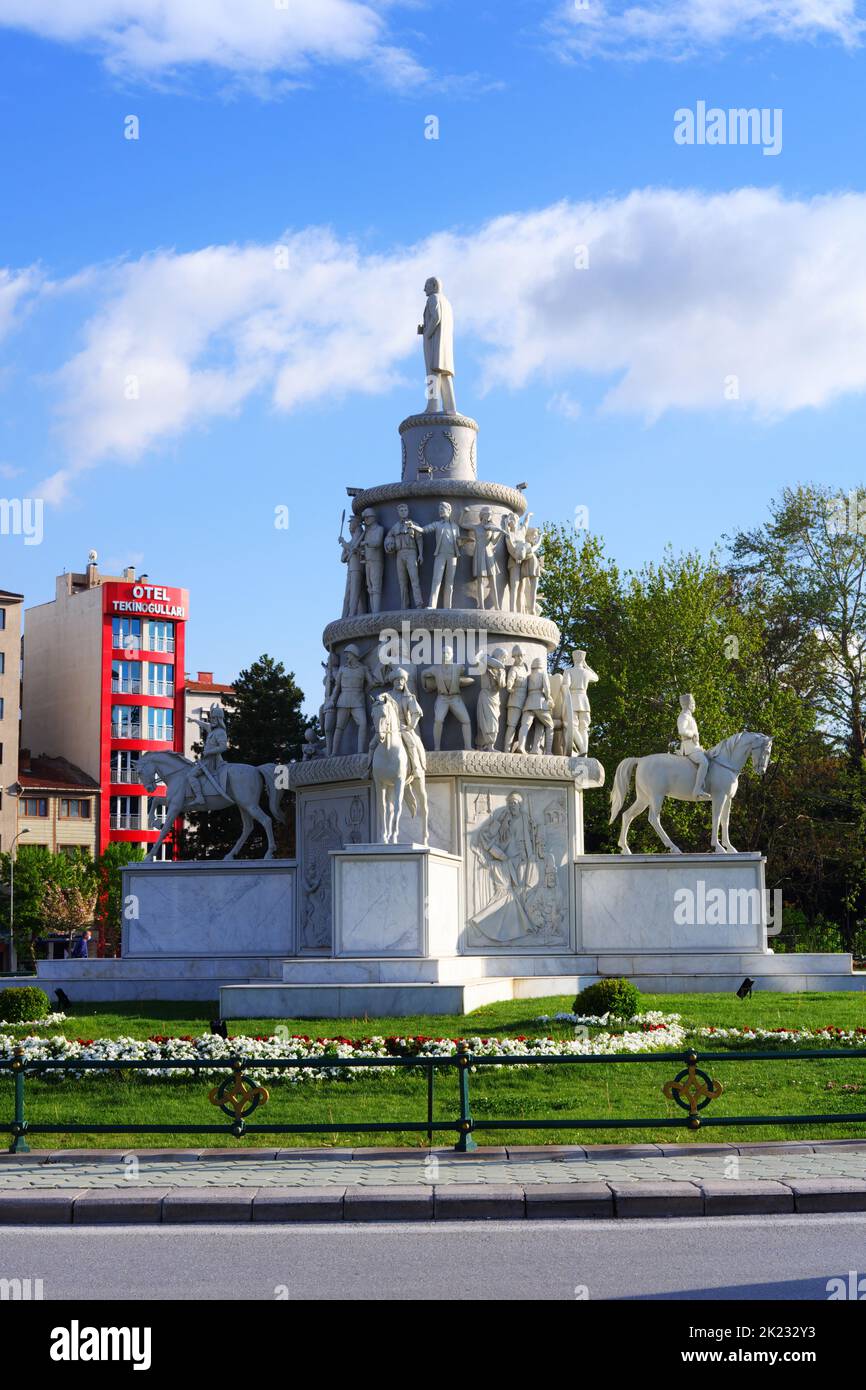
point(142, 700)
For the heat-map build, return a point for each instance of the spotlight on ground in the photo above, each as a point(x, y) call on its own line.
point(219, 1027)
point(745, 990)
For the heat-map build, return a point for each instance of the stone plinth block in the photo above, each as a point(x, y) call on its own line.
point(395, 900)
point(437, 446)
point(671, 902)
point(209, 908)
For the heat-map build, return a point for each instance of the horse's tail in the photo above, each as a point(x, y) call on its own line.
point(275, 791)
point(621, 784)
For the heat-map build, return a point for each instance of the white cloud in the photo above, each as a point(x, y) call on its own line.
point(683, 291)
point(18, 289)
point(563, 403)
point(677, 29)
point(247, 38)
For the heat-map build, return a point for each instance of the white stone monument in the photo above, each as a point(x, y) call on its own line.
point(440, 849)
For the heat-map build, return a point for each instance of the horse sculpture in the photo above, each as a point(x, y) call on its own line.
point(244, 787)
point(670, 774)
point(392, 776)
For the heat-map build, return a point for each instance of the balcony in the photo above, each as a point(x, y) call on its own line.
point(122, 822)
point(166, 689)
point(126, 687)
point(159, 734)
point(125, 774)
point(159, 644)
point(126, 731)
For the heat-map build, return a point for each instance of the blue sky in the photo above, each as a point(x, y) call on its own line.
point(258, 386)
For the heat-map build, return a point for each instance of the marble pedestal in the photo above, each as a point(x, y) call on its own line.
point(395, 900)
point(187, 929)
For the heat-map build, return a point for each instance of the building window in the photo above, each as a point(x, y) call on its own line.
point(2, 663)
point(124, 765)
point(74, 809)
point(35, 806)
point(160, 637)
point(2, 619)
point(1, 752)
point(125, 721)
point(124, 813)
point(126, 634)
point(73, 849)
point(160, 678)
point(126, 677)
point(2, 706)
point(160, 725)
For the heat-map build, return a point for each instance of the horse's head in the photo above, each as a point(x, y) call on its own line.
point(148, 769)
point(760, 751)
point(383, 716)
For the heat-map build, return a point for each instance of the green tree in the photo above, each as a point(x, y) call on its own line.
point(109, 907)
point(264, 724)
point(671, 627)
point(806, 567)
point(50, 889)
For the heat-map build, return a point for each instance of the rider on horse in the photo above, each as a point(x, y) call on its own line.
point(211, 761)
point(690, 745)
point(409, 712)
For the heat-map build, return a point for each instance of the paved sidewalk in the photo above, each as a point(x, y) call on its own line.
point(183, 1185)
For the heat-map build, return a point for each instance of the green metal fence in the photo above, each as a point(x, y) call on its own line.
point(239, 1095)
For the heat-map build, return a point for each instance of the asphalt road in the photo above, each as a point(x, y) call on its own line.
point(733, 1257)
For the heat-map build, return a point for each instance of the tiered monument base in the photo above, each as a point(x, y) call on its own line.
point(230, 932)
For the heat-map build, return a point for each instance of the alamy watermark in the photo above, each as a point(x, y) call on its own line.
point(728, 907)
point(737, 126)
point(22, 516)
point(442, 646)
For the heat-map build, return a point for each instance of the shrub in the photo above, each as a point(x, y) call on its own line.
point(620, 998)
point(21, 1003)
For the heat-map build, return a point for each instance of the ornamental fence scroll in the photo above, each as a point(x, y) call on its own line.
point(239, 1095)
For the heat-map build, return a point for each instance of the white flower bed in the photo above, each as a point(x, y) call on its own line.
point(334, 1053)
point(649, 1032)
point(49, 1021)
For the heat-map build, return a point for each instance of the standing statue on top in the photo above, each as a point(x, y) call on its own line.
point(437, 330)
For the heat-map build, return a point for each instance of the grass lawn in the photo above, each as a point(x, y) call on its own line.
point(599, 1091)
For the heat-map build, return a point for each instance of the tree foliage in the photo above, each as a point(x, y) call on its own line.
point(759, 640)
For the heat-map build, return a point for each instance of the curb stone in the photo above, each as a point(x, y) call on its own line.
point(206, 1204)
point(731, 1197)
point(670, 1198)
point(828, 1194)
point(404, 1203)
point(555, 1201)
point(474, 1201)
point(31, 1208)
point(104, 1207)
point(298, 1204)
point(453, 1202)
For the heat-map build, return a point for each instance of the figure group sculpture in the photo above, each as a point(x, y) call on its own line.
point(486, 542)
